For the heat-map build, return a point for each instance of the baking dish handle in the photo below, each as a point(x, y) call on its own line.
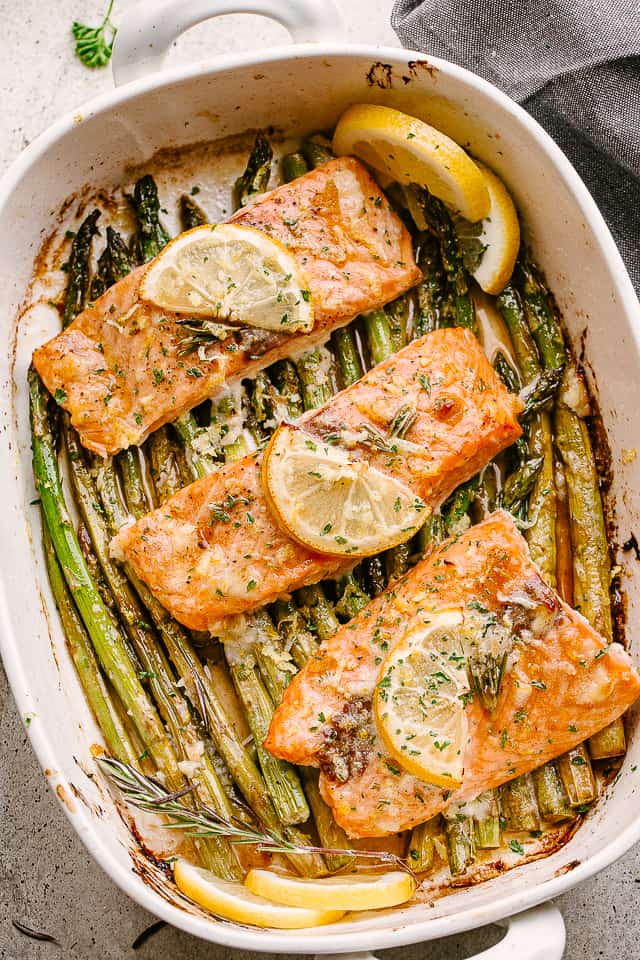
point(148, 30)
point(536, 934)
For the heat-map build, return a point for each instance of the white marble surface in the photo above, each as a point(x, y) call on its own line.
point(47, 880)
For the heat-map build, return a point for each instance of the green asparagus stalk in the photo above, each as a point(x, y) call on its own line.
point(318, 611)
point(106, 638)
point(255, 178)
point(541, 533)
point(353, 598)
point(461, 847)
point(550, 794)
point(281, 778)
point(201, 462)
point(286, 379)
point(132, 481)
point(431, 289)
point(98, 696)
point(575, 770)
point(114, 263)
point(398, 316)
point(294, 165)
point(422, 845)
point(316, 150)
point(379, 336)
point(346, 351)
point(518, 803)
point(191, 213)
point(151, 236)
point(330, 834)
point(292, 625)
point(462, 308)
point(487, 827)
point(78, 268)
point(316, 383)
point(165, 470)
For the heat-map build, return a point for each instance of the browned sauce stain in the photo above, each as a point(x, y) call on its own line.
point(380, 75)
point(65, 798)
point(567, 868)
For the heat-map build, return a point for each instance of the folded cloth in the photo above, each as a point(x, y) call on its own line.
point(573, 64)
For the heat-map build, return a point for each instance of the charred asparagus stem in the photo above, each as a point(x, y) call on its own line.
point(151, 236)
point(191, 213)
point(316, 150)
point(114, 263)
point(461, 847)
point(78, 267)
point(116, 737)
point(255, 178)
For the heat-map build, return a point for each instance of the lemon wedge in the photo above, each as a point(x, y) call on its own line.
point(353, 892)
point(410, 151)
point(419, 700)
point(333, 502)
point(490, 249)
point(232, 272)
point(233, 901)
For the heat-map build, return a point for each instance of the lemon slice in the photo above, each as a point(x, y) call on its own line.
point(419, 700)
point(332, 502)
point(232, 272)
point(354, 892)
point(233, 901)
point(410, 151)
point(490, 248)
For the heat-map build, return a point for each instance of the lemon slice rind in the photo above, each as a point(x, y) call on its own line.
point(419, 702)
point(499, 238)
point(353, 892)
point(234, 901)
point(232, 272)
point(333, 503)
point(411, 151)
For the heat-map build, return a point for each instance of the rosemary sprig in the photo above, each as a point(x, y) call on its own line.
point(403, 419)
point(200, 333)
point(147, 794)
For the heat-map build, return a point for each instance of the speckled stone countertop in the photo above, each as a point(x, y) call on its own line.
point(47, 879)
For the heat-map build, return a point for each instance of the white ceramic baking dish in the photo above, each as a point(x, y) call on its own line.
point(301, 88)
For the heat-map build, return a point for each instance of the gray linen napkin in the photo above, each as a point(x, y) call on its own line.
point(573, 64)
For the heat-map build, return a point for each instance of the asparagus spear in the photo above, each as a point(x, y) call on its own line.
point(165, 470)
point(78, 268)
point(114, 263)
point(316, 150)
point(292, 625)
point(353, 598)
point(191, 213)
point(487, 827)
point(132, 481)
point(318, 611)
point(422, 845)
point(294, 165)
point(116, 737)
point(461, 309)
point(591, 563)
point(255, 178)
point(541, 534)
point(286, 379)
point(518, 802)
point(431, 289)
point(106, 638)
point(461, 847)
point(550, 794)
point(575, 769)
point(316, 381)
point(151, 236)
point(346, 351)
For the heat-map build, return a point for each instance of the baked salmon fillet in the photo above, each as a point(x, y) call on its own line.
point(214, 549)
point(120, 368)
point(562, 683)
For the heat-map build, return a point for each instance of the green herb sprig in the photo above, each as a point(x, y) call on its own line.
point(94, 45)
point(149, 795)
